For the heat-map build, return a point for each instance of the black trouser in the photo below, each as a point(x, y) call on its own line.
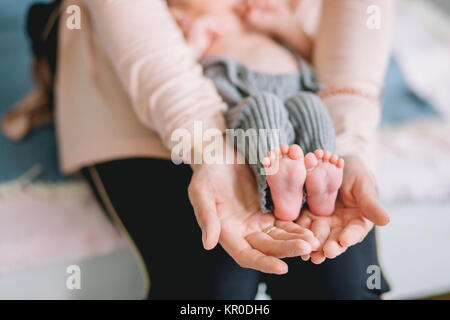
point(148, 197)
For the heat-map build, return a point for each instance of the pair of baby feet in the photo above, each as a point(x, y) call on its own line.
point(289, 171)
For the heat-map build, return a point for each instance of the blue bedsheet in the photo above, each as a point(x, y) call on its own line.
point(400, 103)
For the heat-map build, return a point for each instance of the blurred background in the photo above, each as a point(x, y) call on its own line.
point(49, 222)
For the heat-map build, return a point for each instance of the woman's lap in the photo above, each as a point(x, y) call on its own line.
point(150, 197)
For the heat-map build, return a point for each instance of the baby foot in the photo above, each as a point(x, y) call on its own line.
point(286, 172)
point(323, 180)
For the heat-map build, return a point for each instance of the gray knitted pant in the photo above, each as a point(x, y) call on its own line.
point(268, 111)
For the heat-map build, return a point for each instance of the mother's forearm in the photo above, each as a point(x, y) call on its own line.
point(156, 67)
point(350, 58)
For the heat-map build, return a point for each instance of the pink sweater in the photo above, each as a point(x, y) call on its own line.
point(127, 79)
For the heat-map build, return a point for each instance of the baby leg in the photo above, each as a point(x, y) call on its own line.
point(314, 132)
point(286, 175)
point(263, 121)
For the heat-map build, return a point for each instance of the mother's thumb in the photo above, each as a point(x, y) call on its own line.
point(206, 213)
point(367, 199)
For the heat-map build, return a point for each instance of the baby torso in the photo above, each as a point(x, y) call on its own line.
point(256, 50)
point(243, 62)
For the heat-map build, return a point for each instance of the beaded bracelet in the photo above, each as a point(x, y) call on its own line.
point(331, 91)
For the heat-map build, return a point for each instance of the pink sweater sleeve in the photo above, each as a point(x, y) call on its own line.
point(349, 55)
point(156, 67)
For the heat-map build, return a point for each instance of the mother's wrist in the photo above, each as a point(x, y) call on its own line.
point(356, 163)
point(214, 152)
point(355, 145)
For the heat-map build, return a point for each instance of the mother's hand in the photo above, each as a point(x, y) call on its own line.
point(226, 205)
point(357, 208)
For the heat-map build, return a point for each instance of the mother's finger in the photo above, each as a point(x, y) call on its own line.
point(321, 230)
point(303, 225)
point(205, 209)
point(317, 257)
point(367, 199)
point(254, 259)
point(292, 227)
point(278, 248)
point(305, 257)
point(308, 236)
point(247, 257)
point(304, 220)
point(332, 247)
point(355, 231)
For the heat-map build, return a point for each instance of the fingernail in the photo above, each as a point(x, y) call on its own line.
point(204, 239)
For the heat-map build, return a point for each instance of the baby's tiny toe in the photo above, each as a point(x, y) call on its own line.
point(326, 155)
point(279, 155)
point(266, 162)
point(319, 154)
point(272, 156)
point(284, 149)
point(334, 159)
point(340, 163)
point(277, 152)
point(310, 161)
point(295, 152)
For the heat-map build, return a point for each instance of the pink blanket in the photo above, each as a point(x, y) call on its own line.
point(49, 223)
